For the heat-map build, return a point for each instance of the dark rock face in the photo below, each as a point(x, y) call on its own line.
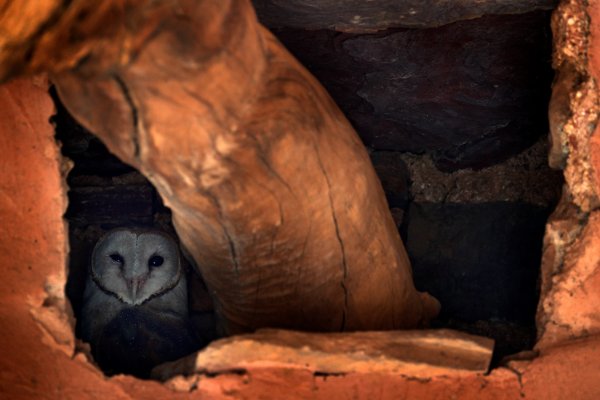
point(101, 204)
point(470, 93)
point(364, 16)
point(480, 260)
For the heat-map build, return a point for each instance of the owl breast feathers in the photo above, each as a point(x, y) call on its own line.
point(135, 306)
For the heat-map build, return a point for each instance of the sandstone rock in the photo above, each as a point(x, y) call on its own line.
point(570, 308)
point(549, 375)
point(34, 363)
point(37, 349)
point(569, 303)
point(418, 354)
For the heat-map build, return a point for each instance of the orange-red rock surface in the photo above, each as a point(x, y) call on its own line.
point(569, 306)
point(37, 347)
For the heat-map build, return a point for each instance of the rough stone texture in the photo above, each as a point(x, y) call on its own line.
point(574, 116)
point(471, 93)
point(572, 305)
point(369, 16)
point(569, 305)
point(38, 352)
point(523, 178)
point(33, 244)
point(594, 71)
point(37, 346)
point(420, 354)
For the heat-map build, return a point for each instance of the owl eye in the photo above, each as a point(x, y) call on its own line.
point(117, 258)
point(156, 261)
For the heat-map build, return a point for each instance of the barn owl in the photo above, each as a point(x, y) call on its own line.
point(135, 305)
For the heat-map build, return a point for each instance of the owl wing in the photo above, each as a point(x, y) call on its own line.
point(98, 309)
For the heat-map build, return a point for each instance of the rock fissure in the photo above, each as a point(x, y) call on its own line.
point(519, 376)
point(339, 239)
point(221, 221)
point(135, 133)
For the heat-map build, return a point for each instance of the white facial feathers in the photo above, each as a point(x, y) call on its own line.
point(134, 265)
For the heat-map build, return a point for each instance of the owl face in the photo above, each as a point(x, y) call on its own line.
point(134, 265)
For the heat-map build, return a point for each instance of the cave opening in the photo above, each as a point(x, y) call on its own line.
point(461, 151)
point(106, 194)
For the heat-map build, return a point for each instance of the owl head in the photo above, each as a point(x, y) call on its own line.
point(135, 265)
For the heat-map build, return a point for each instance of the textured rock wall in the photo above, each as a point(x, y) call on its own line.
point(471, 93)
point(570, 299)
point(36, 342)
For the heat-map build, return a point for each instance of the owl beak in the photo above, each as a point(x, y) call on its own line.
point(135, 285)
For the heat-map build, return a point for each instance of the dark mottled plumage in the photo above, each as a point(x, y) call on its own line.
point(136, 340)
